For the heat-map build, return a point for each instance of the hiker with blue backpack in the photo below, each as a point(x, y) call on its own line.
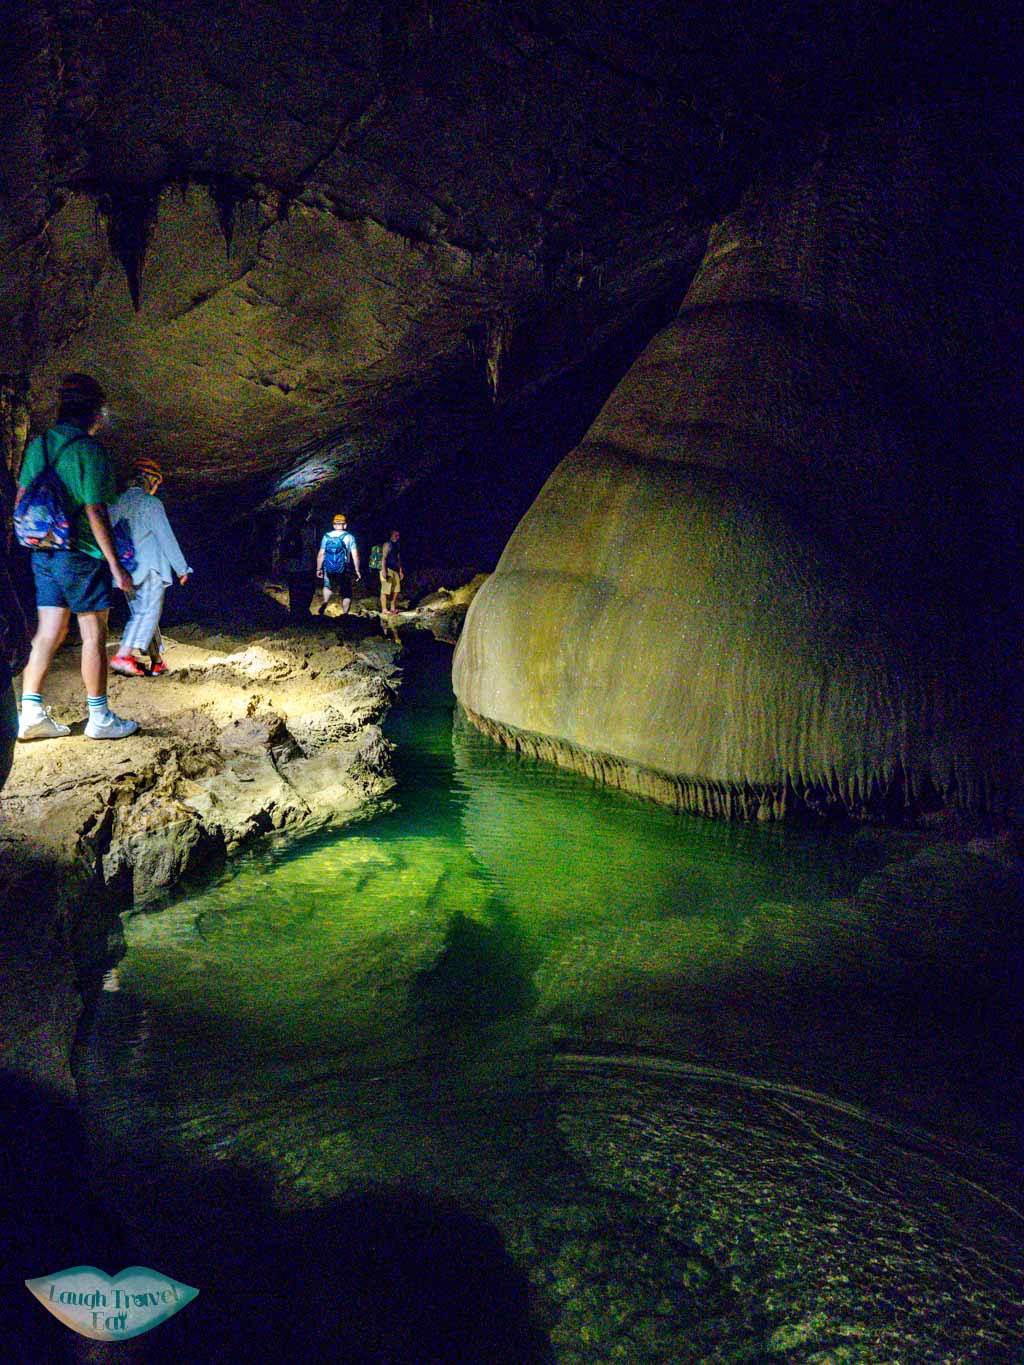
point(60, 514)
point(337, 559)
point(156, 561)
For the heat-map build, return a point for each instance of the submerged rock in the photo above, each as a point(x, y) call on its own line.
point(91, 830)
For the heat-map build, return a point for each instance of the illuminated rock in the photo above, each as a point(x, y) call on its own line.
point(774, 574)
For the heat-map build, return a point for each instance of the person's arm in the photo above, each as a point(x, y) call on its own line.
point(355, 557)
point(99, 521)
point(168, 542)
point(97, 489)
point(385, 551)
point(320, 561)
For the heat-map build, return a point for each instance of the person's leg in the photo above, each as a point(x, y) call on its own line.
point(102, 722)
point(143, 622)
point(35, 721)
point(155, 650)
point(383, 595)
point(130, 634)
point(93, 625)
point(50, 631)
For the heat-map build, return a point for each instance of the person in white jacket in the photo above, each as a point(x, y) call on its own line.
point(158, 561)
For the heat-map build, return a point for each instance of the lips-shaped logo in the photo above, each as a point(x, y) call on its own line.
point(106, 1308)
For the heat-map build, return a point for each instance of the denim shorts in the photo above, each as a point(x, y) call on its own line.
point(68, 578)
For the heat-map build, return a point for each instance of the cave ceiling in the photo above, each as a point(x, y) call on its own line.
point(302, 241)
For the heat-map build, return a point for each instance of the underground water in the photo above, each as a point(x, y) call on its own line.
point(465, 1050)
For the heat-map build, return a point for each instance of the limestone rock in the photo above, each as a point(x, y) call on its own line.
point(159, 858)
point(264, 732)
point(761, 584)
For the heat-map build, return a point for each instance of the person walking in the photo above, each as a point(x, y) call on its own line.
point(391, 575)
point(158, 561)
point(337, 559)
point(80, 578)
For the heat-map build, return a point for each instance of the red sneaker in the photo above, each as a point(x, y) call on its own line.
point(157, 668)
point(124, 663)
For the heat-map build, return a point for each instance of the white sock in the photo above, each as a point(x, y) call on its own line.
point(31, 704)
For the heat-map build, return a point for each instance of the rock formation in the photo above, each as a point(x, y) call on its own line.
point(279, 736)
point(318, 241)
point(780, 571)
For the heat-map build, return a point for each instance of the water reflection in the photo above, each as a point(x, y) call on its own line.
point(376, 1012)
point(502, 900)
point(558, 842)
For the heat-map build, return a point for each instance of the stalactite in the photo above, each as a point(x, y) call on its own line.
point(774, 456)
point(495, 347)
point(227, 193)
point(856, 797)
point(130, 214)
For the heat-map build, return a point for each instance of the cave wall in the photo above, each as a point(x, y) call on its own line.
point(314, 243)
point(782, 569)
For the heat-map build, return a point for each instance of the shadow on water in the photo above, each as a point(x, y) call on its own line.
point(384, 1276)
point(483, 972)
point(49, 1215)
point(387, 1276)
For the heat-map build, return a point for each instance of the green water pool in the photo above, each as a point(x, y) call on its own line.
point(398, 1007)
point(497, 894)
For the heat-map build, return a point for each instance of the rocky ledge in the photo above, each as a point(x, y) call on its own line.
point(240, 738)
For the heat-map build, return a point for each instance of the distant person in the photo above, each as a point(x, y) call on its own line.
point(337, 561)
point(300, 553)
point(158, 562)
point(391, 575)
point(14, 649)
point(78, 579)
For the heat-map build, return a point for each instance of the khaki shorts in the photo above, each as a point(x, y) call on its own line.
point(389, 581)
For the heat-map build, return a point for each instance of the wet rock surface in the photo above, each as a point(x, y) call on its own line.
point(239, 739)
point(818, 1233)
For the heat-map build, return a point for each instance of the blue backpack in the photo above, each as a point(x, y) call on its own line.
point(41, 520)
point(124, 545)
point(336, 553)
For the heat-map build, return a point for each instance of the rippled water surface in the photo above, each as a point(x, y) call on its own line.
point(378, 1009)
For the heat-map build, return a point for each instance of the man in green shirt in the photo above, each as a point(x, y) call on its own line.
point(78, 579)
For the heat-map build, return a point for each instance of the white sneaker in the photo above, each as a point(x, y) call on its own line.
point(110, 727)
point(41, 725)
